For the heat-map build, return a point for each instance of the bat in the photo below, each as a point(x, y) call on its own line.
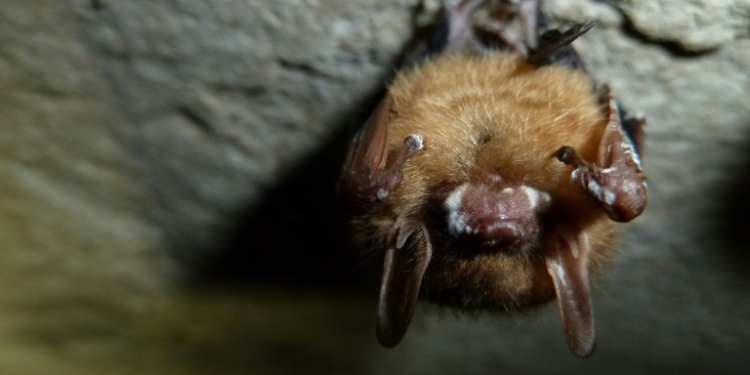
point(495, 173)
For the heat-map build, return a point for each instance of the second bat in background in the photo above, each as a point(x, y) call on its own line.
point(493, 175)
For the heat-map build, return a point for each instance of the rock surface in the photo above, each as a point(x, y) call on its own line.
point(167, 173)
point(696, 25)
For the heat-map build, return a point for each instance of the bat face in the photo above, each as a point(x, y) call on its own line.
point(493, 180)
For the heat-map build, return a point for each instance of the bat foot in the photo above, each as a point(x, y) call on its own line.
point(361, 188)
point(460, 27)
point(615, 181)
point(570, 156)
point(389, 179)
point(365, 180)
point(588, 177)
point(413, 143)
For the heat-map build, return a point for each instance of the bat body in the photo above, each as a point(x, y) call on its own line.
point(493, 178)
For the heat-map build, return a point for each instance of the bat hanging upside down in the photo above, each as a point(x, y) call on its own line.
point(494, 174)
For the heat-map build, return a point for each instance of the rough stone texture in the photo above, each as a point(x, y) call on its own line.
point(225, 96)
point(694, 25)
point(167, 168)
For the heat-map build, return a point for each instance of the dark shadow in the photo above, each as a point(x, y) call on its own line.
point(298, 235)
point(732, 231)
point(676, 50)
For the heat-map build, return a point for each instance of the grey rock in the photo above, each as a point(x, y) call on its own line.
point(139, 135)
point(696, 25)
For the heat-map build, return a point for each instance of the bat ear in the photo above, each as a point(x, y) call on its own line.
point(402, 278)
point(567, 263)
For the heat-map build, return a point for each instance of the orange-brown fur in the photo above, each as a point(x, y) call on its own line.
point(524, 114)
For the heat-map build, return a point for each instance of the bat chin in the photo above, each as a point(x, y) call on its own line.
point(489, 282)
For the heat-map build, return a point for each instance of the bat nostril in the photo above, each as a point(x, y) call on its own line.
point(491, 216)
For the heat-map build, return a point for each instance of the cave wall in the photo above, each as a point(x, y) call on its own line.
point(166, 191)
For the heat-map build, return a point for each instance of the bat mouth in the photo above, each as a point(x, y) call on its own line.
point(498, 233)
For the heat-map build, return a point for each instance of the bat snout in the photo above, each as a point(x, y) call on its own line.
point(493, 215)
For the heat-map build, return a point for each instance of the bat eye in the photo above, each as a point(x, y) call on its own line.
point(484, 139)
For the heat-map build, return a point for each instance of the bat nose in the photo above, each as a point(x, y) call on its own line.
point(496, 216)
